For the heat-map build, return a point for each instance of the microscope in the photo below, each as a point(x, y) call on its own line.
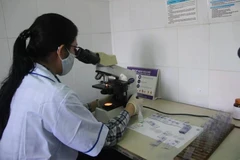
point(115, 81)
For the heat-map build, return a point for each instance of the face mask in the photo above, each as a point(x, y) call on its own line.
point(67, 63)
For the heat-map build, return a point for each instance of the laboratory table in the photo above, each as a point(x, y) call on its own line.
point(137, 146)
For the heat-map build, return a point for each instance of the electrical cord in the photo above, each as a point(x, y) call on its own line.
point(178, 114)
point(183, 114)
point(238, 127)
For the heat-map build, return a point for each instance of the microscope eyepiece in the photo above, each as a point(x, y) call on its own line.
point(87, 56)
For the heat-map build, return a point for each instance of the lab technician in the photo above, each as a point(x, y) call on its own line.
point(41, 118)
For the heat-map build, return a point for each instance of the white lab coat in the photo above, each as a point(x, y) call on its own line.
point(48, 121)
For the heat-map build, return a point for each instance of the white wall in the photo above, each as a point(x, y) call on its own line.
point(198, 63)
point(92, 18)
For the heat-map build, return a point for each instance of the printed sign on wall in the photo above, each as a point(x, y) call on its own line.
point(224, 10)
point(146, 81)
point(181, 11)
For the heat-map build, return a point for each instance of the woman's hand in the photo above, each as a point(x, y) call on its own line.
point(134, 105)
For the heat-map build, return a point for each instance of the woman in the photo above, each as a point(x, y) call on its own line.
point(41, 118)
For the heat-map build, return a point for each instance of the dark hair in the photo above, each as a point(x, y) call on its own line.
point(46, 34)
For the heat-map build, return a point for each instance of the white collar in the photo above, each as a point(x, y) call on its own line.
point(44, 72)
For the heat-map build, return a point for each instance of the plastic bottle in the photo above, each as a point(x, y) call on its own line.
point(236, 109)
point(140, 115)
point(237, 102)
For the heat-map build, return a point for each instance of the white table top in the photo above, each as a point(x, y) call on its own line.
point(134, 143)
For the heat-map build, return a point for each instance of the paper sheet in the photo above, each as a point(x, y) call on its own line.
point(181, 11)
point(224, 10)
point(165, 130)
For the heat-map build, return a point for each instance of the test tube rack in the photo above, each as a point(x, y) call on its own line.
point(214, 132)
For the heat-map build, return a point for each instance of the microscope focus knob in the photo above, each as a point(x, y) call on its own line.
point(131, 80)
point(98, 76)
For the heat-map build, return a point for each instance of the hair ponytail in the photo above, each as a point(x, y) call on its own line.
point(21, 66)
point(47, 33)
